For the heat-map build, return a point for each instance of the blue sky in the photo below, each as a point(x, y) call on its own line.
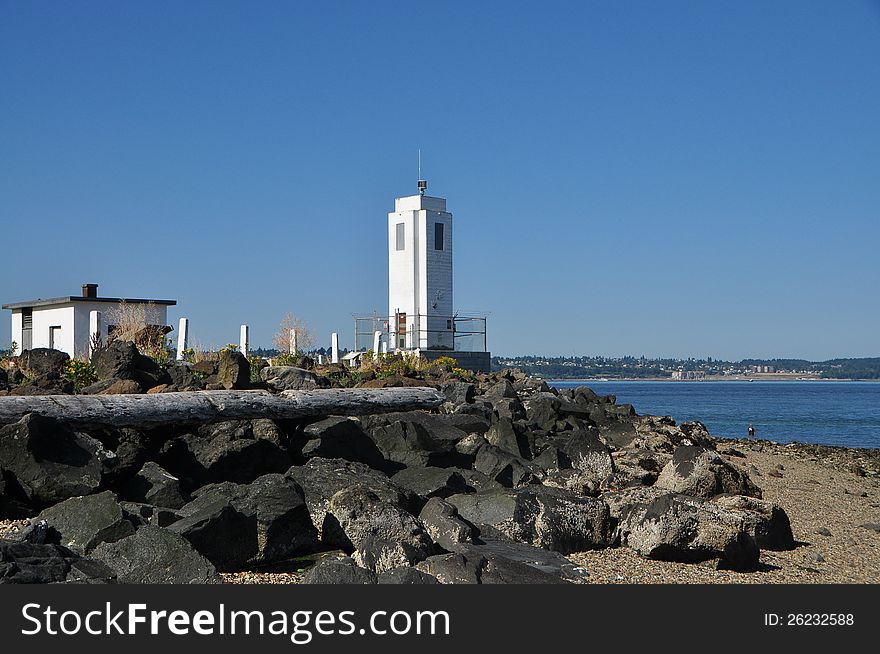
point(670, 179)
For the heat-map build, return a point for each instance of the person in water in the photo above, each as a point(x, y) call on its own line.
point(751, 431)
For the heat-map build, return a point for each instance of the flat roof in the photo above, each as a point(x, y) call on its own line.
point(39, 302)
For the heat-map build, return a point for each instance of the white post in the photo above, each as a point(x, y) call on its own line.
point(292, 342)
point(182, 337)
point(94, 330)
point(334, 348)
point(377, 335)
point(243, 345)
point(320, 359)
point(384, 347)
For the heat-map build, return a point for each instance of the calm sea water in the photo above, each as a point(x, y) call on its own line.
point(833, 413)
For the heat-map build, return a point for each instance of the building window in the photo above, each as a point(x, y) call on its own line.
point(438, 236)
point(401, 236)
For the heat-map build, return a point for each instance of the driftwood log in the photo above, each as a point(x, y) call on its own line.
point(189, 407)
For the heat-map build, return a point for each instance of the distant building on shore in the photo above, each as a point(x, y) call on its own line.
point(68, 323)
point(688, 374)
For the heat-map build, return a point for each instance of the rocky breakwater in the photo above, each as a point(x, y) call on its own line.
point(499, 485)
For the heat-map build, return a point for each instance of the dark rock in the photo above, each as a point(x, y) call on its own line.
point(551, 563)
point(545, 517)
point(33, 563)
point(356, 513)
point(142, 514)
point(154, 485)
point(776, 474)
point(871, 526)
point(405, 576)
point(341, 438)
point(674, 527)
point(473, 567)
point(766, 522)
point(700, 472)
point(381, 554)
point(505, 468)
point(431, 482)
point(153, 555)
point(83, 523)
point(444, 525)
point(510, 437)
point(205, 368)
point(459, 392)
point(542, 410)
point(131, 447)
point(221, 533)
point(42, 362)
point(454, 568)
point(283, 527)
point(417, 439)
point(47, 462)
point(183, 377)
point(121, 387)
point(289, 378)
point(823, 531)
point(121, 360)
point(233, 370)
point(818, 558)
point(321, 479)
point(218, 454)
point(339, 571)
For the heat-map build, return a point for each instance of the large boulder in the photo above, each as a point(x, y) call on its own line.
point(156, 486)
point(510, 437)
point(542, 410)
point(121, 360)
point(42, 362)
point(767, 522)
point(674, 527)
point(233, 370)
point(289, 378)
point(416, 438)
point(545, 517)
point(432, 482)
point(405, 576)
point(153, 555)
point(356, 513)
point(339, 571)
point(283, 526)
point(219, 453)
point(472, 566)
point(40, 563)
point(217, 530)
point(444, 525)
point(341, 438)
point(503, 467)
point(47, 462)
point(321, 479)
point(702, 472)
point(182, 377)
point(83, 523)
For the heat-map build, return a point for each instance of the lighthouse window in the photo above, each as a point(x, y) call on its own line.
point(400, 236)
point(438, 236)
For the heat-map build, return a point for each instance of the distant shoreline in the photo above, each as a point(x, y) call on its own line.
point(712, 378)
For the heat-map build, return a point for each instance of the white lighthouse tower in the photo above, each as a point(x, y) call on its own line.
point(420, 273)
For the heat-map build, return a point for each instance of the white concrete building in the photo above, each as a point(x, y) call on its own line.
point(420, 274)
point(63, 323)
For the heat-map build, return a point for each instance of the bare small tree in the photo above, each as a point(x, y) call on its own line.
point(304, 337)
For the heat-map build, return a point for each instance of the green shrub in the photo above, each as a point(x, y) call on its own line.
point(81, 373)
